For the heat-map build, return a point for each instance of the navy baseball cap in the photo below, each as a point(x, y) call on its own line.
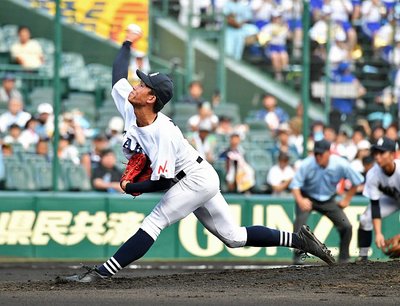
point(322, 146)
point(384, 144)
point(160, 83)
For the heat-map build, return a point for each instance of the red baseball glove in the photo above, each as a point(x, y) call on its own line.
point(392, 247)
point(137, 170)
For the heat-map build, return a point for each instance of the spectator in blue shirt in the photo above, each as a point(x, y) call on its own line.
point(238, 17)
point(345, 106)
point(272, 114)
point(282, 144)
point(314, 188)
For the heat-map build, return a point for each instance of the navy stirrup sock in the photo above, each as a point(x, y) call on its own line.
point(131, 250)
point(261, 236)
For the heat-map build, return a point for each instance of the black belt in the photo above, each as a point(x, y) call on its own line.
point(182, 173)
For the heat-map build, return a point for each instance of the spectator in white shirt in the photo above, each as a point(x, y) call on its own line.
point(384, 43)
point(204, 117)
point(67, 150)
point(15, 114)
point(262, 10)
point(292, 14)
point(340, 50)
point(372, 12)
point(280, 175)
point(29, 136)
point(363, 150)
point(14, 135)
point(194, 8)
point(341, 10)
point(27, 52)
point(274, 36)
point(204, 142)
point(394, 54)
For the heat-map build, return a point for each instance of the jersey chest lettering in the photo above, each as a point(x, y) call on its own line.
point(163, 168)
point(128, 144)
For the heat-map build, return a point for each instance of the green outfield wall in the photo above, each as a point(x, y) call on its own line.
point(91, 226)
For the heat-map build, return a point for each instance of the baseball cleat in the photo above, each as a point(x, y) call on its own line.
point(310, 244)
point(90, 275)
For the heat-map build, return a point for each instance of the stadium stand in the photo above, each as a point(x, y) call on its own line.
point(86, 86)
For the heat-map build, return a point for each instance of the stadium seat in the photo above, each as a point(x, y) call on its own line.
point(47, 47)
point(10, 30)
point(261, 185)
point(181, 120)
point(83, 97)
point(3, 48)
point(3, 108)
point(120, 157)
point(259, 159)
point(260, 139)
point(42, 175)
point(85, 102)
point(73, 59)
point(256, 125)
point(33, 158)
point(222, 143)
point(18, 176)
point(220, 167)
point(76, 178)
point(82, 81)
point(10, 36)
point(185, 109)
point(40, 95)
point(228, 109)
point(104, 114)
point(101, 74)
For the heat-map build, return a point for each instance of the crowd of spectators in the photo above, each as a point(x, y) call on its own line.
point(283, 142)
point(250, 18)
point(271, 31)
point(265, 27)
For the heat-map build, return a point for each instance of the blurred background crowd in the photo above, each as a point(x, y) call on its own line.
point(257, 152)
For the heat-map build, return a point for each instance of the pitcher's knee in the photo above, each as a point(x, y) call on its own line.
point(235, 239)
point(151, 228)
point(233, 243)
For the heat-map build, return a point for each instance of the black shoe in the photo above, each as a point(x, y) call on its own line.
point(310, 244)
point(92, 274)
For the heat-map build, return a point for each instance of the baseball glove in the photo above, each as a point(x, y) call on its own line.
point(137, 170)
point(392, 247)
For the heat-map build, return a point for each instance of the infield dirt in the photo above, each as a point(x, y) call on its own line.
point(372, 283)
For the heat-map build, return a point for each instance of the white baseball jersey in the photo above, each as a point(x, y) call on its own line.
point(376, 178)
point(162, 141)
